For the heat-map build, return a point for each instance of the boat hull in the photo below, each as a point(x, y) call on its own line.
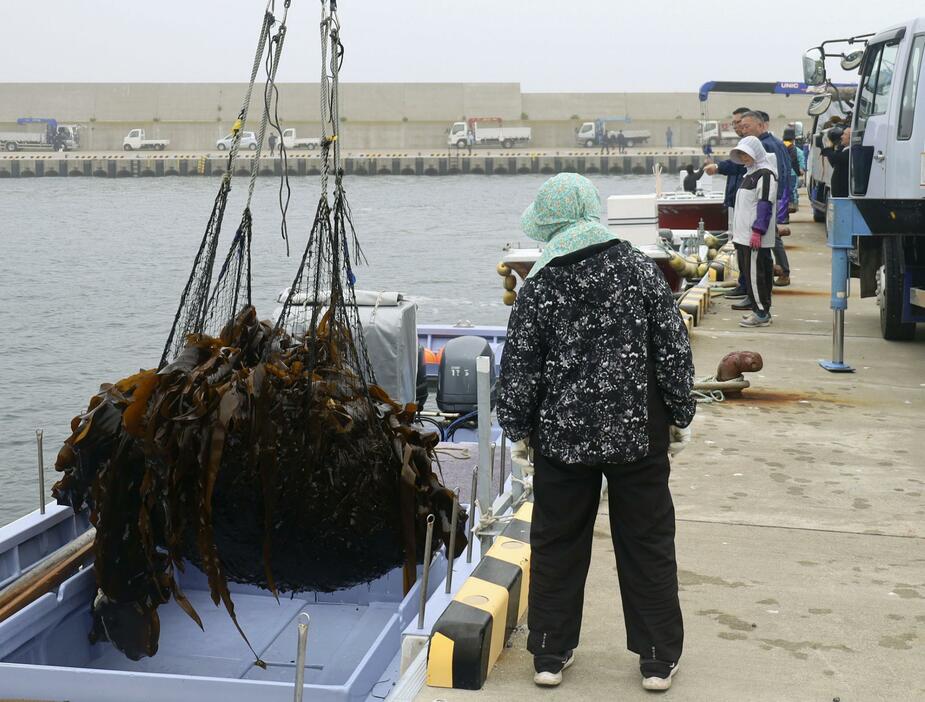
point(687, 213)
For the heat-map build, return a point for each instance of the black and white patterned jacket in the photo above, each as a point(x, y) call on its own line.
point(585, 336)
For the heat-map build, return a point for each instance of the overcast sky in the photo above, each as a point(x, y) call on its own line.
point(545, 45)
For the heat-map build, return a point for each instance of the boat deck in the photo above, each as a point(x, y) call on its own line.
point(800, 522)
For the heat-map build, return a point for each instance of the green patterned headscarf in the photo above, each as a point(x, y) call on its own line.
point(566, 217)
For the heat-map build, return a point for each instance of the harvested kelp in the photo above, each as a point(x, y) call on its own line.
point(258, 471)
point(262, 453)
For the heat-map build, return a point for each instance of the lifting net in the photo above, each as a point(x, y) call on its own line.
point(263, 452)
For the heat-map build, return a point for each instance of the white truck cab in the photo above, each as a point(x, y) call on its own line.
point(878, 233)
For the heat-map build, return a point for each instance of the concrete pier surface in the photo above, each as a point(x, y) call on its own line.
point(801, 538)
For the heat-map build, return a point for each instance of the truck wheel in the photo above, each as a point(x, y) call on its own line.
point(126, 147)
point(11, 146)
point(252, 147)
point(310, 147)
point(507, 143)
point(712, 141)
point(221, 147)
point(158, 147)
point(890, 294)
point(460, 143)
point(589, 143)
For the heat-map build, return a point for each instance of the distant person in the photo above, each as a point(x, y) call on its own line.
point(669, 138)
point(690, 180)
point(754, 224)
point(755, 123)
point(734, 173)
point(606, 139)
point(621, 142)
point(797, 166)
point(836, 153)
point(596, 379)
point(273, 141)
point(708, 150)
point(470, 140)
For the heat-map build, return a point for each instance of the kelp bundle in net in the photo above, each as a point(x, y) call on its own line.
point(262, 452)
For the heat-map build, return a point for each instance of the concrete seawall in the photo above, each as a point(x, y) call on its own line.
point(374, 115)
point(119, 165)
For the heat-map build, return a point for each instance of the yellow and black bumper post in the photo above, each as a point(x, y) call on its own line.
point(469, 636)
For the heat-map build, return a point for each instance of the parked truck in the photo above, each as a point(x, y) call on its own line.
point(592, 133)
point(51, 135)
point(715, 133)
point(135, 141)
point(487, 131)
point(877, 234)
point(291, 141)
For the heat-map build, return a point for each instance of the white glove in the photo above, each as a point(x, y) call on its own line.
point(678, 439)
point(520, 453)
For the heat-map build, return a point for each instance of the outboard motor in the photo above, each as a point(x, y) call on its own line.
point(421, 390)
point(457, 387)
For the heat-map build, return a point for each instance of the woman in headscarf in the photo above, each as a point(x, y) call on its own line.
point(754, 226)
point(596, 379)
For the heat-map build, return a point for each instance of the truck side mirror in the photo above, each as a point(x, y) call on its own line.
point(851, 61)
point(819, 104)
point(813, 67)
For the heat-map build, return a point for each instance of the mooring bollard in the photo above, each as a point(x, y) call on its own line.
point(305, 620)
point(475, 485)
point(451, 549)
point(38, 440)
point(425, 576)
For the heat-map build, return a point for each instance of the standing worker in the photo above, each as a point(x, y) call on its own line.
point(754, 224)
point(596, 379)
point(605, 141)
point(470, 140)
point(669, 138)
point(734, 173)
point(272, 141)
point(621, 142)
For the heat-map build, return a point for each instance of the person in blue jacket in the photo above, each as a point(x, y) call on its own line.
point(755, 123)
point(734, 173)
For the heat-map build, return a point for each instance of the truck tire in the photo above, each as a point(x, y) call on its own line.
point(11, 146)
point(252, 147)
point(311, 146)
point(713, 141)
point(126, 147)
point(890, 294)
point(507, 143)
point(221, 147)
point(589, 143)
point(158, 147)
point(460, 143)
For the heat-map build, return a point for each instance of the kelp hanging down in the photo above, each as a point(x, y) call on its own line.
point(259, 457)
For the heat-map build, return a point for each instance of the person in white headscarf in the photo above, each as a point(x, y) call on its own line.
point(754, 226)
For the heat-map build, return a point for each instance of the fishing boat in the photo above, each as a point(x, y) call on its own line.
point(681, 210)
point(635, 218)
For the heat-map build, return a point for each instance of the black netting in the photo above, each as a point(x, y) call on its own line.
point(263, 452)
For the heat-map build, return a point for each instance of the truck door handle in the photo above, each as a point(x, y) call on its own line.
point(880, 156)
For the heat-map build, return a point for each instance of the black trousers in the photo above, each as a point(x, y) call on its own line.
point(642, 526)
point(743, 261)
point(760, 280)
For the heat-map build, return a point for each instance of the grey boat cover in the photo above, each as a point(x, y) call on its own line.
point(390, 330)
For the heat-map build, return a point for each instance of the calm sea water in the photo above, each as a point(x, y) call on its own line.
point(91, 272)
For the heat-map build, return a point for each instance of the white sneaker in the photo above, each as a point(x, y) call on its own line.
point(552, 678)
point(657, 682)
